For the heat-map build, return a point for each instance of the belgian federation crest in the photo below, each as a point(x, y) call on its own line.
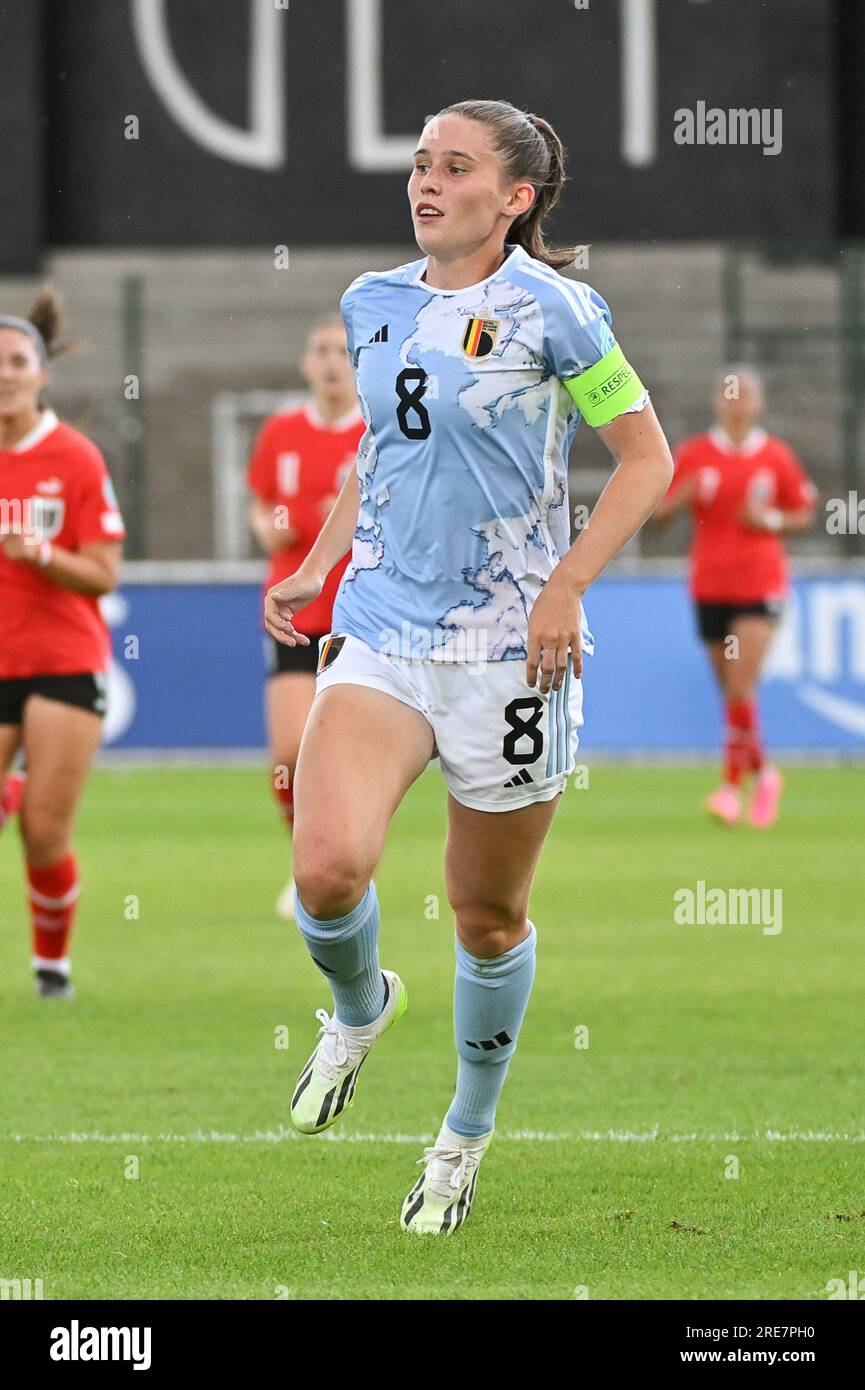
point(480, 336)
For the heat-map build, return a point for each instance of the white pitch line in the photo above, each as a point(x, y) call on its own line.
point(281, 1135)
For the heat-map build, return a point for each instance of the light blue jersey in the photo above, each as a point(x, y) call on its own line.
point(464, 510)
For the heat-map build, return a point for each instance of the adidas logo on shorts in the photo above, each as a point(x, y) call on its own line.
point(522, 779)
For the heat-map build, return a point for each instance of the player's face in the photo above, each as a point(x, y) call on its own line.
point(21, 374)
point(738, 402)
point(457, 200)
point(325, 363)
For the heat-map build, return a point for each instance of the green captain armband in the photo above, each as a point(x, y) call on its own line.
point(603, 391)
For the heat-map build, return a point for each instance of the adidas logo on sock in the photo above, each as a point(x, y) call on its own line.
point(381, 335)
point(490, 1044)
point(522, 779)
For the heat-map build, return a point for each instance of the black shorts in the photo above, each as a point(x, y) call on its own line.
point(295, 661)
point(715, 620)
point(84, 691)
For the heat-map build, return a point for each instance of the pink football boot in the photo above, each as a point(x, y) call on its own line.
point(725, 804)
point(767, 798)
point(11, 796)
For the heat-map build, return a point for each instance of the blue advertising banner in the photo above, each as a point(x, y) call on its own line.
point(189, 669)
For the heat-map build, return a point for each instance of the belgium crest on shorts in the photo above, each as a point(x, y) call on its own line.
point(329, 650)
point(480, 336)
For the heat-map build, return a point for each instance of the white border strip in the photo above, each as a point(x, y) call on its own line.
point(192, 572)
point(596, 759)
point(281, 1135)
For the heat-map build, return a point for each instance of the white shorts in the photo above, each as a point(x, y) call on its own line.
point(500, 744)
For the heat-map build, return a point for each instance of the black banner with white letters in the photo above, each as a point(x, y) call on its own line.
point(240, 1339)
point(22, 172)
point(261, 122)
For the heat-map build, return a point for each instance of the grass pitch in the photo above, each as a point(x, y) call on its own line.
point(144, 1141)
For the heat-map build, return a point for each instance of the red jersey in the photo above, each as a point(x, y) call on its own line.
point(300, 463)
point(731, 562)
point(53, 482)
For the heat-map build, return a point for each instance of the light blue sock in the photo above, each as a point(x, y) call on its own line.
point(345, 949)
point(490, 1000)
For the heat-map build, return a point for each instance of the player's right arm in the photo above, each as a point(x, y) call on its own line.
point(333, 541)
point(270, 536)
point(272, 528)
point(681, 491)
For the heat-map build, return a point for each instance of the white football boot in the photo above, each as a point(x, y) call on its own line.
point(325, 1087)
point(442, 1197)
point(285, 902)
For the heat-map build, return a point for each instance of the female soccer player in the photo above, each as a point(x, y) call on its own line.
point(60, 549)
point(745, 489)
point(457, 627)
point(300, 462)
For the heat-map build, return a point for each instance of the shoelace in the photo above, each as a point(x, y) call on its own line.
point(335, 1049)
point(458, 1156)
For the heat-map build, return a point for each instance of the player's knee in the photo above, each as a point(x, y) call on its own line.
point(486, 929)
point(740, 690)
point(329, 884)
point(45, 835)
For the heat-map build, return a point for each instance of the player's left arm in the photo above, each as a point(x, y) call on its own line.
point(90, 563)
point(582, 351)
point(795, 499)
point(775, 520)
point(644, 469)
point(93, 570)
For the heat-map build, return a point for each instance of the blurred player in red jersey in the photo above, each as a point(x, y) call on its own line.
point(300, 462)
point(60, 547)
point(745, 489)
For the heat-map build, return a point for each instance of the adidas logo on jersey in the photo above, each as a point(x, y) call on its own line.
point(381, 335)
point(522, 779)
